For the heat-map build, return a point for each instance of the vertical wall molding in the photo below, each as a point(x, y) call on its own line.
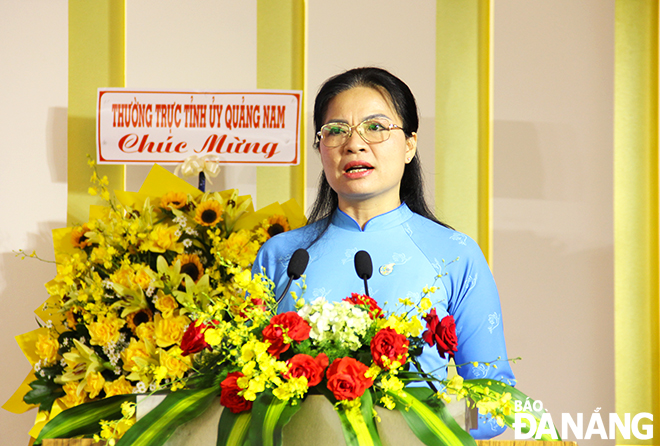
point(96, 59)
point(463, 129)
point(636, 265)
point(281, 64)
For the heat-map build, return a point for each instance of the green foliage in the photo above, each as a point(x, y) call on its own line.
point(84, 419)
point(44, 392)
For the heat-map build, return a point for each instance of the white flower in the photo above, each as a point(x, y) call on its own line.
point(341, 322)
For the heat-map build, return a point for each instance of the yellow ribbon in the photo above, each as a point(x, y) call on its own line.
point(194, 165)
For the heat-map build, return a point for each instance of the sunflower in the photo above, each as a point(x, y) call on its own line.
point(276, 224)
point(136, 318)
point(78, 237)
point(175, 200)
point(209, 213)
point(191, 265)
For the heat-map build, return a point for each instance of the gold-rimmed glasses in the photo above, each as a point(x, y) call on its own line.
point(372, 131)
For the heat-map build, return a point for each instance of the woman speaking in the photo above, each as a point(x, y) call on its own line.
point(371, 199)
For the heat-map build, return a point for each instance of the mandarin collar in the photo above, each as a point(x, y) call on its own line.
point(381, 222)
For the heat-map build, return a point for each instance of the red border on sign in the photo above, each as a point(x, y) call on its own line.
point(297, 95)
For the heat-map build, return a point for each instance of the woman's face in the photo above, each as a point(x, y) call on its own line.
point(366, 173)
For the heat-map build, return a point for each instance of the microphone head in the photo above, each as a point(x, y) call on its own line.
point(298, 263)
point(363, 266)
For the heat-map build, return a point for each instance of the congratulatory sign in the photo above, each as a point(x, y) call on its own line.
point(259, 127)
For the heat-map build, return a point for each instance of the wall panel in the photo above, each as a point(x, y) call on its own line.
point(202, 45)
point(400, 38)
point(553, 193)
point(33, 177)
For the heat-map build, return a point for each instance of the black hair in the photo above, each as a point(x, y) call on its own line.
point(403, 101)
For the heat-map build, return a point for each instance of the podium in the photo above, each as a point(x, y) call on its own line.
point(89, 442)
point(316, 420)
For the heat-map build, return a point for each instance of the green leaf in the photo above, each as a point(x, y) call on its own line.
point(84, 419)
point(233, 428)
point(44, 393)
point(429, 419)
point(516, 395)
point(359, 427)
point(269, 415)
point(160, 423)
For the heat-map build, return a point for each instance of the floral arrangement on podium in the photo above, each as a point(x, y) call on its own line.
point(154, 295)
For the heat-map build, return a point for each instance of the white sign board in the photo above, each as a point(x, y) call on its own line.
point(260, 127)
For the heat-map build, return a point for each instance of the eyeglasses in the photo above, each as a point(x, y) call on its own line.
point(372, 131)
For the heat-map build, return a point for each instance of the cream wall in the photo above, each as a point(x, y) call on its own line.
point(553, 199)
point(553, 154)
point(33, 101)
point(340, 38)
point(205, 45)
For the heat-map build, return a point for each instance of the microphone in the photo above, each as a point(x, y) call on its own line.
point(364, 268)
point(296, 268)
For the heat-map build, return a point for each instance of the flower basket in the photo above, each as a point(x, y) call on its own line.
point(73, 442)
point(524, 443)
point(316, 423)
point(155, 295)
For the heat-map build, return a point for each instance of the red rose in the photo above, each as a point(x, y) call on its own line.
point(392, 345)
point(193, 339)
point(310, 368)
point(229, 396)
point(283, 329)
point(364, 300)
point(442, 333)
point(346, 378)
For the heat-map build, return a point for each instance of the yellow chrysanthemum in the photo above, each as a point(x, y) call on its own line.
point(174, 200)
point(136, 349)
point(163, 238)
point(143, 276)
point(118, 387)
point(166, 304)
point(94, 384)
point(209, 213)
point(124, 276)
point(170, 330)
point(72, 398)
point(174, 362)
point(105, 330)
point(145, 332)
point(46, 347)
point(191, 265)
point(239, 248)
